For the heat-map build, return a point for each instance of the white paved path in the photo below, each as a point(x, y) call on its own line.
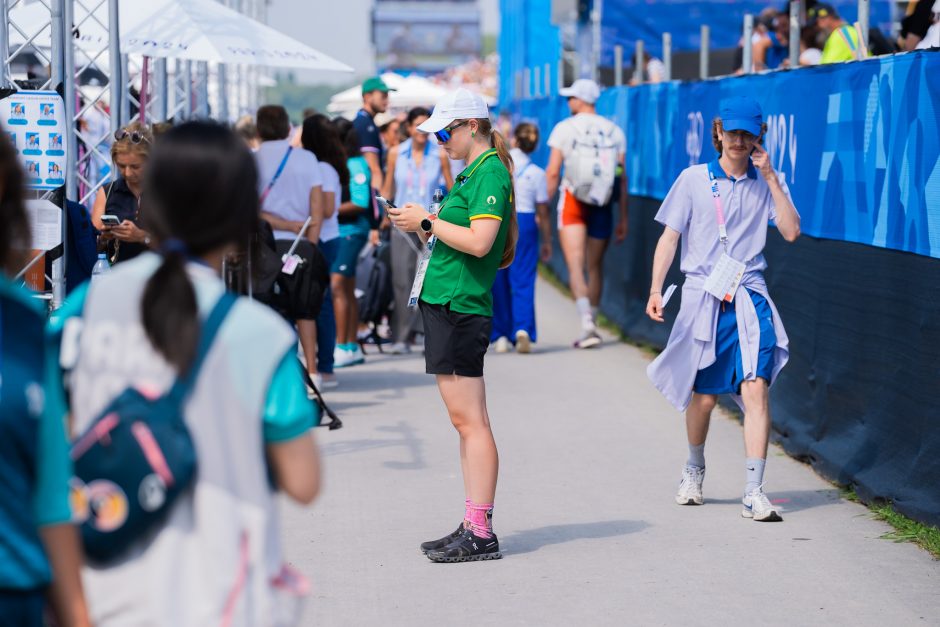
point(590, 458)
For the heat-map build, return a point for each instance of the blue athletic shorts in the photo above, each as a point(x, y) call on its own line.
point(348, 255)
point(726, 374)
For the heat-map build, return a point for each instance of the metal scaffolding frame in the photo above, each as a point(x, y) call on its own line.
point(175, 89)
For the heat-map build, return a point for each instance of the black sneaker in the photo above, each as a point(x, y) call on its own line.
point(469, 547)
point(435, 545)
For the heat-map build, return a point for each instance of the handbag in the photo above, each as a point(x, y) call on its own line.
point(136, 458)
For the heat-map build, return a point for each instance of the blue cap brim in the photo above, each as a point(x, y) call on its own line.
point(751, 126)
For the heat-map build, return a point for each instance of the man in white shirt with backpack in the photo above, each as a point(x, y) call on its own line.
point(591, 148)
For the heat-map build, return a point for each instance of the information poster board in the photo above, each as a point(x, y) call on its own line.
point(45, 221)
point(35, 123)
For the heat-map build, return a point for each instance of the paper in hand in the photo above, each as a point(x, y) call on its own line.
point(668, 294)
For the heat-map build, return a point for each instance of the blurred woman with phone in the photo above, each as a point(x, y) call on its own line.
point(121, 233)
point(470, 238)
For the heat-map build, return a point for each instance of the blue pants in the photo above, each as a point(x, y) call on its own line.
point(326, 321)
point(514, 288)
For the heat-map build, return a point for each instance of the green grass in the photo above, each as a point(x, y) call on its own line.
point(905, 529)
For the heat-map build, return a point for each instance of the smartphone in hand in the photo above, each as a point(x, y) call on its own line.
point(388, 203)
point(110, 220)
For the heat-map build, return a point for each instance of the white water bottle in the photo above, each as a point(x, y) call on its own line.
point(101, 266)
point(436, 201)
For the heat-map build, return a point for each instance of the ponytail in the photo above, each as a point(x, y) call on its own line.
point(201, 196)
point(169, 312)
point(502, 150)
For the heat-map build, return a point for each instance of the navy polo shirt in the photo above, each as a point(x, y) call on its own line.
point(369, 140)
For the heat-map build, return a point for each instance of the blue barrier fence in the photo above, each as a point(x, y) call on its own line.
point(859, 142)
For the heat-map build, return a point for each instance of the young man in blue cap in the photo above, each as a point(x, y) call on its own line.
point(728, 337)
point(374, 100)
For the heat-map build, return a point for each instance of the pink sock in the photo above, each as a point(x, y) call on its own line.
point(481, 518)
point(466, 513)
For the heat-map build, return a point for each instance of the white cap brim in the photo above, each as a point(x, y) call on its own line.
point(567, 92)
point(434, 124)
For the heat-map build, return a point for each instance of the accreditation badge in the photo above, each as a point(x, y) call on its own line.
point(723, 281)
point(423, 262)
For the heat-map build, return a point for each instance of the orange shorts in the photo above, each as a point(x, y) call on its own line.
point(598, 219)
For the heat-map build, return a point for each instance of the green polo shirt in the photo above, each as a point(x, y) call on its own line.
point(483, 190)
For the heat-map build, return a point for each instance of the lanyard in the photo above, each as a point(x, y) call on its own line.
point(716, 195)
point(422, 172)
point(844, 31)
point(277, 175)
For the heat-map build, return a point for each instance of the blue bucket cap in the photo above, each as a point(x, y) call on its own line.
point(741, 113)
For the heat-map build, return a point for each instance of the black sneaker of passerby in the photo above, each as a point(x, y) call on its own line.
point(469, 547)
point(435, 545)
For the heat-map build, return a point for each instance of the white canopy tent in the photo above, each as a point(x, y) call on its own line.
point(195, 30)
point(411, 91)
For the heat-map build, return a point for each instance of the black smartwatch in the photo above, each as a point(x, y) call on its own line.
point(428, 223)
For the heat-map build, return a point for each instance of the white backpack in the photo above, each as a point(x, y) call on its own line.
point(591, 163)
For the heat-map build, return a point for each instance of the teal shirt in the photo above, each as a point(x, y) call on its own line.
point(35, 467)
point(360, 193)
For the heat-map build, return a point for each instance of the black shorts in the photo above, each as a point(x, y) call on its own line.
point(454, 343)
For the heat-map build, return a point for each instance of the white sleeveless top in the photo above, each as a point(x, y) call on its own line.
point(216, 558)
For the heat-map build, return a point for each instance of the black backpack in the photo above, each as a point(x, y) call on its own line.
point(298, 295)
point(378, 295)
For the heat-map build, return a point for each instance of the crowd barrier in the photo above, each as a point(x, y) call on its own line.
point(858, 142)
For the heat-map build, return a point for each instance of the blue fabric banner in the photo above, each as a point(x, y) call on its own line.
point(623, 22)
point(859, 142)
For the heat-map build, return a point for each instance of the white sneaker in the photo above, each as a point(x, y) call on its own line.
point(502, 345)
point(399, 348)
point(758, 507)
point(329, 381)
point(690, 488)
point(523, 341)
point(317, 381)
point(589, 339)
point(358, 356)
point(343, 358)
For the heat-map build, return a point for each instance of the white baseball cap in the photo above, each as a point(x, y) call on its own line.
point(583, 89)
point(461, 104)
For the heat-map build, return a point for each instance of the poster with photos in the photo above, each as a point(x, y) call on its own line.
point(35, 123)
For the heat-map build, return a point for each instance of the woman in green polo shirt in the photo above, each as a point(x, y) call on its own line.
point(472, 236)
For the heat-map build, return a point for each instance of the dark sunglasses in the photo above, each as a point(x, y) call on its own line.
point(135, 136)
point(444, 135)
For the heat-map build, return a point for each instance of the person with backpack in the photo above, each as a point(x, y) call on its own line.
point(469, 239)
point(40, 551)
point(415, 168)
point(728, 337)
point(223, 367)
point(514, 289)
point(591, 149)
point(291, 189)
point(356, 219)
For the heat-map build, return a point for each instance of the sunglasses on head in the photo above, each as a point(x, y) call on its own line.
point(444, 135)
point(134, 136)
